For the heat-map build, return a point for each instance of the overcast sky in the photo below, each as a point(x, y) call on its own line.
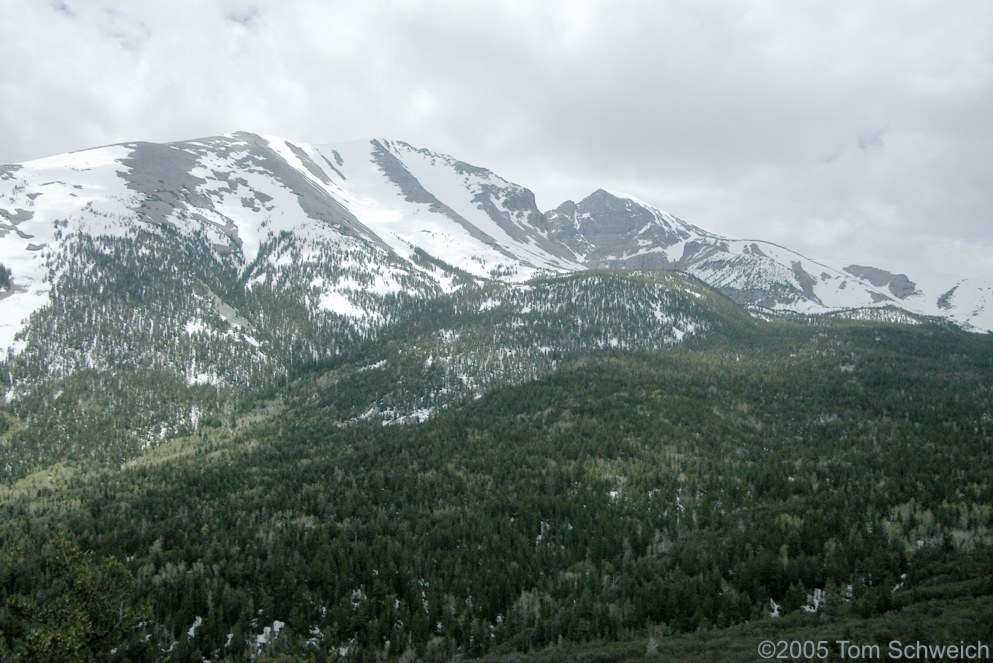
point(853, 130)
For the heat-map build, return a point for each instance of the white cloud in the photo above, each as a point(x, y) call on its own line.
point(835, 129)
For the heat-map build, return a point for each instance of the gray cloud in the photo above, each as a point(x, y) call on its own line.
point(857, 130)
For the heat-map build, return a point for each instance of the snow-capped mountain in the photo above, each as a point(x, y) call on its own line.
point(242, 191)
point(617, 231)
point(247, 223)
point(151, 286)
point(145, 287)
point(239, 193)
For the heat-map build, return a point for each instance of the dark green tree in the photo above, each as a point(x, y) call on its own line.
point(85, 613)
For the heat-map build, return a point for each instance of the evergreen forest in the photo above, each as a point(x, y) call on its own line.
point(782, 479)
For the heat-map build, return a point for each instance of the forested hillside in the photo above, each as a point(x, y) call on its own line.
point(366, 402)
point(117, 365)
point(798, 474)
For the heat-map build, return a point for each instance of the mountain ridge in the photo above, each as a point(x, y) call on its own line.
point(270, 399)
point(458, 213)
point(753, 272)
point(155, 288)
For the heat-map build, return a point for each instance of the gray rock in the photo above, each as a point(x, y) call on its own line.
point(898, 284)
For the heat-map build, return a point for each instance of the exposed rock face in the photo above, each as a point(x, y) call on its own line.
point(612, 231)
point(898, 284)
point(241, 195)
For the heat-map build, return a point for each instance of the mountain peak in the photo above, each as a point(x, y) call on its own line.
point(611, 229)
point(621, 196)
point(236, 192)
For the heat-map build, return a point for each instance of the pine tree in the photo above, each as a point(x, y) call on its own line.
point(85, 614)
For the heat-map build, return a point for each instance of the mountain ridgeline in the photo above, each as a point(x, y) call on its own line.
point(147, 286)
point(367, 402)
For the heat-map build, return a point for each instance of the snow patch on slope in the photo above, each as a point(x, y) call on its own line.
point(42, 201)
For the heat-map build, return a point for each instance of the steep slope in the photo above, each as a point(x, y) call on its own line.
point(967, 302)
point(208, 348)
point(146, 289)
point(459, 213)
point(612, 230)
point(422, 213)
point(233, 201)
point(467, 343)
point(433, 219)
point(153, 287)
point(615, 230)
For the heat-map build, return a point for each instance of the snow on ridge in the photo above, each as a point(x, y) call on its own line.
point(484, 249)
point(380, 205)
point(86, 188)
point(627, 196)
point(454, 189)
point(81, 160)
point(284, 148)
point(254, 204)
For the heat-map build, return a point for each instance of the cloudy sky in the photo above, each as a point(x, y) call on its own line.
point(853, 130)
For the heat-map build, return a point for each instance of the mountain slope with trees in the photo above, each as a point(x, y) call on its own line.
point(820, 471)
point(274, 401)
